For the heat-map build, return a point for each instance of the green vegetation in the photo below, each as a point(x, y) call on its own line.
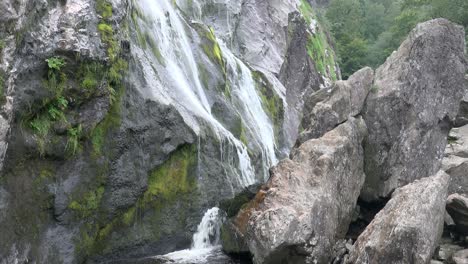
point(170, 182)
point(317, 45)
point(212, 48)
point(271, 102)
point(55, 63)
point(366, 32)
point(89, 204)
point(74, 136)
point(172, 179)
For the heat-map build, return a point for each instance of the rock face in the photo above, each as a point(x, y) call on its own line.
point(455, 162)
point(416, 94)
point(457, 207)
point(329, 107)
point(308, 201)
point(408, 228)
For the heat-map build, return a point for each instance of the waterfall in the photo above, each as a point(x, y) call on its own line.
point(179, 84)
point(204, 241)
point(208, 230)
point(247, 101)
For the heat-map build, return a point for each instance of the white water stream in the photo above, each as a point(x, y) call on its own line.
point(180, 85)
point(205, 240)
point(184, 89)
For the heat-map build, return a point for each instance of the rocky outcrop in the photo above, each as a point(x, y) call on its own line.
point(455, 161)
point(308, 201)
point(416, 95)
point(457, 207)
point(407, 230)
point(331, 106)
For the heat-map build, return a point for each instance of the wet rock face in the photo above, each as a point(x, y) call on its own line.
point(417, 95)
point(407, 230)
point(308, 201)
point(331, 106)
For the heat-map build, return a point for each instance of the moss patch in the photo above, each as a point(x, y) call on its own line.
point(271, 102)
point(89, 203)
point(212, 49)
point(168, 183)
point(317, 44)
point(323, 56)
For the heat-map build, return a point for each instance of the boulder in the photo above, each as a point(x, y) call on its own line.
point(416, 96)
point(460, 257)
point(407, 230)
point(457, 207)
point(308, 202)
point(329, 107)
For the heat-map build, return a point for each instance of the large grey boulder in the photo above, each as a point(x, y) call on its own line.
point(418, 91)
point(408, 228)
point(308, 201)
point(331, 106)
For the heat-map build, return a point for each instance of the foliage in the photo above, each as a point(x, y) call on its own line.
point(55, 63)
point(367, 31)
point(89, 203)
point(74, 136)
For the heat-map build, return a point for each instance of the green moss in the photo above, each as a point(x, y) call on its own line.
point(212, 49)
point(321, 53)
point(86, 206)
point(271, 102)
point(374, 89)
point(129, 216)
point(317, 44)
point(104, 8)
point(306, 11)
point(171, 179)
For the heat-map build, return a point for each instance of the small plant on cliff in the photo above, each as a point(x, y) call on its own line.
point(74, 136)
point(55, 63)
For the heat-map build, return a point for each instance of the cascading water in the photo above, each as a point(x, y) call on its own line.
point(182, 87)
point(177, 82)
point(205, 240)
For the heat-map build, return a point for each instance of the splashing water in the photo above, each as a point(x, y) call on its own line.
point(205, 240)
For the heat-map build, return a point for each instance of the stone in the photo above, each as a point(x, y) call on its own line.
point(329, 107)
point(407, 230)
point(415, 98)
point(457, 207)
point(460, 257)
point(309, 200)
